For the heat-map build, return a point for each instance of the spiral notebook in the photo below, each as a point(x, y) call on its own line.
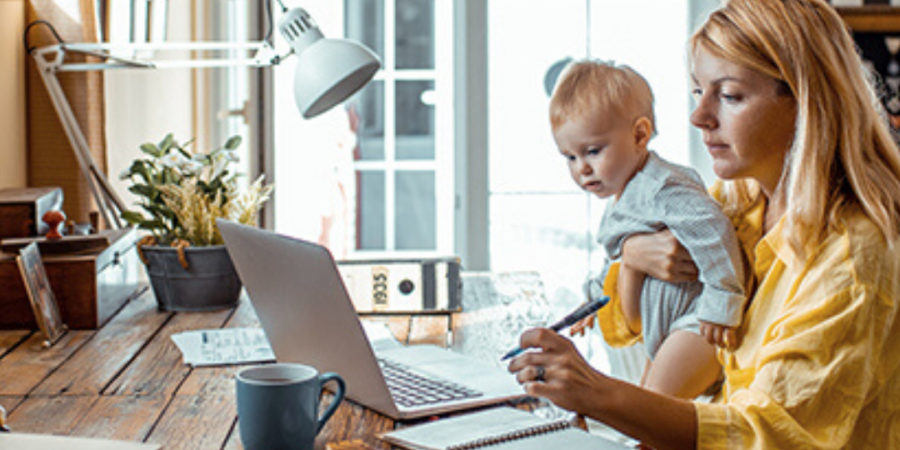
point(500, 429)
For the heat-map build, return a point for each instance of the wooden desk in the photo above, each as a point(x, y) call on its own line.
point(127, 381)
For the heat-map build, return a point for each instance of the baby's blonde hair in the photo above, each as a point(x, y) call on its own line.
point(589, 85)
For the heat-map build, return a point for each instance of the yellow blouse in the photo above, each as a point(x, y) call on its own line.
point(818, 364)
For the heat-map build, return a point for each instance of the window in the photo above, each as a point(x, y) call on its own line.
point(539, 219)
point(451, 153)
point(387, 187)
point(207, 105)
point(391, 173)
point(227, 112)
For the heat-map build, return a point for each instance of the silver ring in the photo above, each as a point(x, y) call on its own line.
point(541, 372)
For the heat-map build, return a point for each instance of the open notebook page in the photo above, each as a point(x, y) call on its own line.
point(517, 429)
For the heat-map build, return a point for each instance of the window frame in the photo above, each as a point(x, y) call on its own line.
point(447, 142)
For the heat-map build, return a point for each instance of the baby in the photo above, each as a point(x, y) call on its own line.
point(602, 120)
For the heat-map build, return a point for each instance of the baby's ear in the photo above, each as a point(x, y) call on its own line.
point(643, 131)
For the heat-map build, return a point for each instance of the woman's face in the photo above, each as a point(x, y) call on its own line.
point(748, 125)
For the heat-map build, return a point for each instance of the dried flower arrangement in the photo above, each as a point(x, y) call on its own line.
point(183, 193)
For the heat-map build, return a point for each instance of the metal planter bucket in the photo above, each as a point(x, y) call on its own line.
point(209, 283)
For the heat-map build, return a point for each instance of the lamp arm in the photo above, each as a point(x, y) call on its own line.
point(109, 203)
point(51, 59)
point(54, 55)
point(352, 69)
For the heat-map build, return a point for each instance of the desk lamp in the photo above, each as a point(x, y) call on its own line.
point(328, 72)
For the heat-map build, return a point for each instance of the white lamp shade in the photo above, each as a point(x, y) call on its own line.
point(329, 71)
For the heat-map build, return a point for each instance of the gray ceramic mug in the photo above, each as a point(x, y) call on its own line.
point(278, 405)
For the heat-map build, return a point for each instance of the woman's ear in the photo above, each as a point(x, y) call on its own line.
point(643, 131)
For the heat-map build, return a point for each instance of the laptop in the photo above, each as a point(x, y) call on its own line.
point(308, 317)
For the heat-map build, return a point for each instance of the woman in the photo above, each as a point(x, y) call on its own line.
point(812, 183)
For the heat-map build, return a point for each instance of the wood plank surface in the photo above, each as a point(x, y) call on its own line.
point(9, 339)
point(50, 415)
point(28, 364)
point(234, 440)
point(127, 381)
point(220, 380)
point(159, 369)
point(95, 365)
point(126, 418)
point(10, 402)
point(872, 18)
point(351, 422)
point(194, 422)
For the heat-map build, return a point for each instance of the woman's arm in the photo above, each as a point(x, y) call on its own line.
point(657, 420)
point(659, 255)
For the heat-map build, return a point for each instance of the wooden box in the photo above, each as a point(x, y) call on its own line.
point(21, 210)
point(89, 287)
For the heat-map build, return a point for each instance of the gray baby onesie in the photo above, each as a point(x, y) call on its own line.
point(665, 195)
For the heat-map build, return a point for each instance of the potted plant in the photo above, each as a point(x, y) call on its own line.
point(182, 194)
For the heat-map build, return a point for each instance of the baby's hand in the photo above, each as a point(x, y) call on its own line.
point(582, 325)
point(719, 335)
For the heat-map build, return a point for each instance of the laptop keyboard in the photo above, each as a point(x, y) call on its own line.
point(410, 389)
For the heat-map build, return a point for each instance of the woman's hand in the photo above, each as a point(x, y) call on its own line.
point(557, 372)
point(659, 255)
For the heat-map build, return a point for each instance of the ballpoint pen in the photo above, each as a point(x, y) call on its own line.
point(583, 311)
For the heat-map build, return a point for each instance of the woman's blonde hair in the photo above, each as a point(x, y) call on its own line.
point(590, 85)
point(843, 153)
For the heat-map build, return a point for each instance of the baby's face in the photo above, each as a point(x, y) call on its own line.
point(603, 151)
